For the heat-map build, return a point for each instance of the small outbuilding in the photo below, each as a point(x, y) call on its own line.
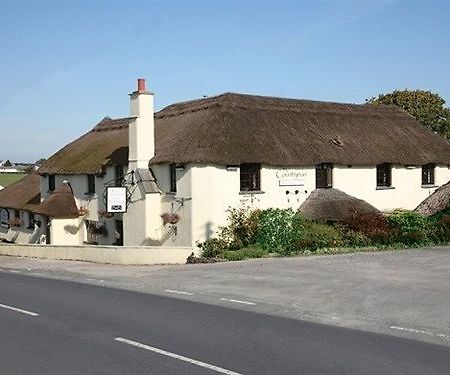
point(436, 202)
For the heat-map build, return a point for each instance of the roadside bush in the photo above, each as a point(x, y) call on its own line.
point(372, 225)
point(411, 228)
point(279, 230)
point(439, 231)
point(241, 228)
point(317, 235)
point(246, 253)
point(212, 248)
point(355, 239)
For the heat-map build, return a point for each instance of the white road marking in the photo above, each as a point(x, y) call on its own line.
point(38, 274)
point(65, 277)
point(19, 310)
point(179, 292)
point(237, 301)
point(176, 356)
point(14, 271)
point(419, 331)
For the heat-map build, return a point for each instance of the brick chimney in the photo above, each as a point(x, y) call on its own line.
point(141, 131)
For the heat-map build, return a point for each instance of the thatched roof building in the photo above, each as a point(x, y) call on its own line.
point(236, 128)
point(436, 202)
point(22, 195)
point(60, 204)
point(333, 205)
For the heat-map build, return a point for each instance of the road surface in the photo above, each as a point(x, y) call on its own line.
point(61, 327)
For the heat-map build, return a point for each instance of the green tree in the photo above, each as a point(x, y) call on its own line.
point(427, 107)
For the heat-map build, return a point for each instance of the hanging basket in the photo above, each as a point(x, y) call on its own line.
point(169, 218)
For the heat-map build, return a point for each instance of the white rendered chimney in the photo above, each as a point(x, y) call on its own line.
point(141, 131)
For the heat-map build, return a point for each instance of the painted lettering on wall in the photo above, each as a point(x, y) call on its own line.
point(289, 177)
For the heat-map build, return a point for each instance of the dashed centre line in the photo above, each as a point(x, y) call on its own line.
point(237, 301)
point(420, 331)
point(179, 292)
point(26, 312)
point(176, 356)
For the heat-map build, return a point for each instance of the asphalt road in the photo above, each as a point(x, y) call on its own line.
point(70, 328)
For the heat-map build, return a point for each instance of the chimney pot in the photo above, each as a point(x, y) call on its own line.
point(141, 84)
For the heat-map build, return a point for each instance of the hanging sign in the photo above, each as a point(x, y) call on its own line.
point(116, 199)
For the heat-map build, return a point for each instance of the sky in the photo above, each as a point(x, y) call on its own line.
point(66, 65)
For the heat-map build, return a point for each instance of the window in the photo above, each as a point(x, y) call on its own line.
point(51, 182)
point(173, 178)
point(428, 174)
point(119, 175)
point(384, 175)
point(250, 176)
point(324, 176)
point(4, 217)
point(91, 184)
point(30, 220)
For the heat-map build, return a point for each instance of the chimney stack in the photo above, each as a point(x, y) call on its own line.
point(141, 84)
point(141, 132)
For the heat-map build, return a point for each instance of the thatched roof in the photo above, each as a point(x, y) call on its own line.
point(106, 144)
point(236, 128)
point(61, 204)
point(23, 194)
point(333, 205)
point(438, 201)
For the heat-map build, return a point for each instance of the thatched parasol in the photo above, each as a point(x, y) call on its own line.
point(435, 202)
point(333, 205)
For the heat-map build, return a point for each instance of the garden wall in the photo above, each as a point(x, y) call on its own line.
point(102, 254)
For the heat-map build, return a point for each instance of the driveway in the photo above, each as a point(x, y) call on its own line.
point(404, 292)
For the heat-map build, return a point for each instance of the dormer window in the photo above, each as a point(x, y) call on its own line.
point(428, 174)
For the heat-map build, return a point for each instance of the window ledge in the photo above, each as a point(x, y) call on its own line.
point(250, 192)
point(92, 195)
point(171, 193)
point(385, 188)
point(429, 186)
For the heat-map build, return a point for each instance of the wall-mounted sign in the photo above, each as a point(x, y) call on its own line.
point(291, 182)
point(116, 199)
point(290, 174)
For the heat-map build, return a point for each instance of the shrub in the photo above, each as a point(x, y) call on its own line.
point(279, 230)
point(372, 225)
point(241, 229)
point(212, 248)
point(355, 239)
point(246, 253)
point(439, 231)
point(412, 228)
point(317, 235)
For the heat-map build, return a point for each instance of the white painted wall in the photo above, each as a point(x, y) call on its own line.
point(214, 189)
point(406, 192)
point(94, 203)
point(205, 192)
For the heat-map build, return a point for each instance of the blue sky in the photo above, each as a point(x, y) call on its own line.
point(66, 65)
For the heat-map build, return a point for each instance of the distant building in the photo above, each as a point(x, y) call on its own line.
point(183, 166)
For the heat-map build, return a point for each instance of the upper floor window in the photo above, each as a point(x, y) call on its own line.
point(250, 177)
point(119, 175)
point(324, 175)
point(91, 184)
point(384, 175)
point(4, 217)
point(51, 182)
point(173, 178)
point(428, 174)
